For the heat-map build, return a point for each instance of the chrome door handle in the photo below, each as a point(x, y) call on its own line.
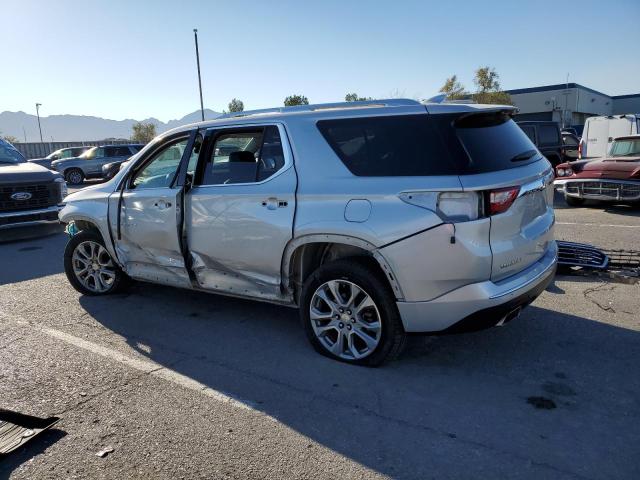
point(162, 205)
point(272, 203)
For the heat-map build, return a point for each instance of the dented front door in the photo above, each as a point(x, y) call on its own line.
point(150, 219)
point(239, 218)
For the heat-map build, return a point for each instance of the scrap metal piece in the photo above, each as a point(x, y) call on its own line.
point(573, 254)
point(16, 429)
point(105, 451)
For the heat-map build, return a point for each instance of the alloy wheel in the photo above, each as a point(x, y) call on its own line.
point(345, 319)
point(93, 266)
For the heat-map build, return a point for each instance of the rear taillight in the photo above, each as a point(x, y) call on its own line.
point(450, 206)
point(580, 149)
point(459, 206)
point(501, 199)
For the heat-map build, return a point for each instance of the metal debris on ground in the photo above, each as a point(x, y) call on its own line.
point(16, 429)
point(581, 259)
point(104, 452)
point(573, 254)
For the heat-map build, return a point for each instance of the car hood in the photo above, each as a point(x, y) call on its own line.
point(25, 172)
point(65, 160)
point(617, 168)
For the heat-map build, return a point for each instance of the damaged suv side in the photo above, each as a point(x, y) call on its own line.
point(375, 219)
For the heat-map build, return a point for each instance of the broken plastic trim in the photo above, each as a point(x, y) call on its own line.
point(16, 429)
point(71, 229)
point(573, 254)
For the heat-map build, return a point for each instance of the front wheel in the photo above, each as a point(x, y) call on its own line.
point(74, 176)
point(349, 313)
point(89, 266)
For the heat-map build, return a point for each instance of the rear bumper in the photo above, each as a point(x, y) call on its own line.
point(480, 305)
point(25, 218)
point(599, 189)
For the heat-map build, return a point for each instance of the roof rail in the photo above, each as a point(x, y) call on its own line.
point(391, 102)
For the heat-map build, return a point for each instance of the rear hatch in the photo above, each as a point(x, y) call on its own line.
point(515, 182)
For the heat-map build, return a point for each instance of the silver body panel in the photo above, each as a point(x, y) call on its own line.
point(240, 238)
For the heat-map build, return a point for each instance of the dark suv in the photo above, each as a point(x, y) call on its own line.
point(29, 193)
point(547, 137)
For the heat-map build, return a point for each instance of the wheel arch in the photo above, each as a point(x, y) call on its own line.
point(304, 255)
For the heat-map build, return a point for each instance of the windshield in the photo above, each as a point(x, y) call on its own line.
point(89, 154)
point(626, 148)
point(10, 155)
point(55, 154)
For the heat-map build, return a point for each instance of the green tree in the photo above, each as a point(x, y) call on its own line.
point(10, 138)
point(293, 100)
point(143, 132)
point(488, 87)
point(353, 97)
point(236, 105)
point(454, 89)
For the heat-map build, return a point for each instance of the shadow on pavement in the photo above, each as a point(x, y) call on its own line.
point(549, 391)
point(29, 258)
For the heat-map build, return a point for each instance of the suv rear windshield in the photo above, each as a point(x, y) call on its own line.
point(426, 145)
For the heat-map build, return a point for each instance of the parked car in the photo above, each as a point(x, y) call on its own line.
point(570, 143)
point(109, 170)
point(547, 137)
point(599, 133)
point(89, 164)
point(615, 178)
point(59, 155)
point(574, 129)
point(393, 217)
point(30, 194)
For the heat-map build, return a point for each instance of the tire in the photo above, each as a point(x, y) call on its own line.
point(87, 249)
point(324, 331)
point(573, 201)
point(74, 176)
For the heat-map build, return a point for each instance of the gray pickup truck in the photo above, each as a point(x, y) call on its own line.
point(30, 194)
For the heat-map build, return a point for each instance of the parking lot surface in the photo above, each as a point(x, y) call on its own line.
point(189, 385)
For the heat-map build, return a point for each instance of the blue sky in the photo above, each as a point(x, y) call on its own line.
point(135, 59)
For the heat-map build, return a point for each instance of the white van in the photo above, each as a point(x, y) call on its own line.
point(599, 133)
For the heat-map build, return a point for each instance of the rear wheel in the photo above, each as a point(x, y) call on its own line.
point(349, 313)
point(89, 266)
point(573, 201)
point(74, 176)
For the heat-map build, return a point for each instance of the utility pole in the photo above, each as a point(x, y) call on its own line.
point(38, 105)
point(25, 134)
point(195, 34)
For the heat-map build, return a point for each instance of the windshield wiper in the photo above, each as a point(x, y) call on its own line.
point(524, 156)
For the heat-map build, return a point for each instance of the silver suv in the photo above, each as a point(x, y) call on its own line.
point(376, 219)
point(90, 163)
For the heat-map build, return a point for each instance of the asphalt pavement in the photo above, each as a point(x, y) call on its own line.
point(183, 384)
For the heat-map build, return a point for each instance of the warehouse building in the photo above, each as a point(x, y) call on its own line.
point(570, 103)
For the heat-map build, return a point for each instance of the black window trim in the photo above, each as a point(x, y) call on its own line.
point(212, 133)
point(142, 162)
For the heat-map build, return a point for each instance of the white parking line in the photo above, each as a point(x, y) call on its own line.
point(142, 365)
point(597, 225)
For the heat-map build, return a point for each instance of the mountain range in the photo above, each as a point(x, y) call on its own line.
point(67, 128)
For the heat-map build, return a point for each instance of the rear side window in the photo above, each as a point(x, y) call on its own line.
point(486, 142)
point(548, 135)
point(390, 146)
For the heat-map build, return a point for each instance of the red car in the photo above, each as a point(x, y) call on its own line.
point(615, 178)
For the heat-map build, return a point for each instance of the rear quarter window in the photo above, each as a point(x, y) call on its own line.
point(486, 141)
point(390, 146)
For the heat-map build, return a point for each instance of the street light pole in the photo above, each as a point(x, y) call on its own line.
point(38, 105)
point(195, 34)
